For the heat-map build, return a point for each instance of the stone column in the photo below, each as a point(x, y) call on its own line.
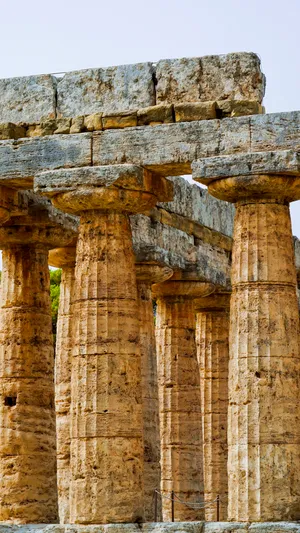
point(28, 491)
point(64, 258)
point(212, 332)
point(264, 366)
point(179, 398)
point(147, 274)
point(106, 395)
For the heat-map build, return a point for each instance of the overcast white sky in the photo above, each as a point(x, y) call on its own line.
point(42, 36)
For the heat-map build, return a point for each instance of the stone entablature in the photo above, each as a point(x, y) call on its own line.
point(125, 88)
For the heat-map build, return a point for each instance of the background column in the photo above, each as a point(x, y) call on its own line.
point(212, 339)
point(179, 398)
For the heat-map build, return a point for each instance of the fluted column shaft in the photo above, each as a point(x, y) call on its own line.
point(212, 339)
point(63, 367)
point(147, 274)
point(180, 403)
point(107, 451)
point(264, 370)
point(264, 362)
point(107, 440)
point(27, 417)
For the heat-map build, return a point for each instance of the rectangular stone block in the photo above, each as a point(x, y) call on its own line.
point(195, 111)
point(234, 76)
point(107, 90)
point(28, 98)
point(21, 160)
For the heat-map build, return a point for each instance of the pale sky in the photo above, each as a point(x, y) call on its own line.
point(38, 36)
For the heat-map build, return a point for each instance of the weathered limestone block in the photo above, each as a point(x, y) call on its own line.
point(11, 131)
point(126, 119)
point(180, 250)
point(22, 159)
point(155, 114)
point(147, 274)
point(179, 398)
point(27, 417)
point(195, 203)
point(212, 333)
point(121, 88)
point(64, 258)
point(28, 98)
point(234, 76)
point(195, 111)
point(107, 452)
point(264, 364)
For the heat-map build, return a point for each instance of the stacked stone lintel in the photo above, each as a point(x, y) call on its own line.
point(212, 339)
point(28, 491)
point(179, 399)
point(64, 258)
point(106, 397)
point(147, 274)
point(264, 409)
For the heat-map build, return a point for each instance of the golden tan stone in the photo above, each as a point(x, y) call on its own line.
point(212, 333)
point(187, 112)
point(264, 364)
point(93, 122)
point(11, 131)
point(27, 451)
point(64, 258)
point(179, 398)
point(158, 114)
point(107, 452)
point(77, 125)
point(238, 108)
point(63, 125)
point(127, 119)
point(147, 274)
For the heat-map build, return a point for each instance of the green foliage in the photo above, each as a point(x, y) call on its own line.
point(55, 279)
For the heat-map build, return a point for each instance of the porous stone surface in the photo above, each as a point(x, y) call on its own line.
point(182, 527)
point(107, 90)
point(195, 203)
point(180, 251)
point(27, 417)
point(167, 149)
point(247, 164)
point(212, 340)
point(64, 258)
point(22, 159)
point(231, 76)
point(147, 274)
point(179, 399)
point(171, 148)
point(28, 98)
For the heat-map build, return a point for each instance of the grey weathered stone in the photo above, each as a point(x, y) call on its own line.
point(225, 527)
point(274, 527)
point(196, 204)
point(28, 98)
point(169, 149)
point(20, 160)
point(247, 164)
point(176, 527)
point(233, 76)
point(121, 88)
point(179, 251)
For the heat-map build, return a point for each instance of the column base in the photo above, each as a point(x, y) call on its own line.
point(157, 527)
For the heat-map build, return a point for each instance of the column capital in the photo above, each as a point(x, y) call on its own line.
point(39, 225)
point(151, 273)
point(182, 289)
point(63, 257)
point(125, 188)
point(251, 177)
point(216, 301)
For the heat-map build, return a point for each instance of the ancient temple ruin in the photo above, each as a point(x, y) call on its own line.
point(193, 418)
